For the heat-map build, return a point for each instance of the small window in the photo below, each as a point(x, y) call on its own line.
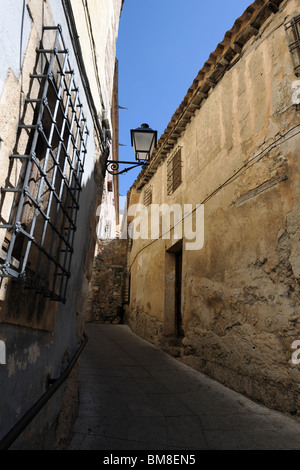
point(126, 286)
point(109, 186)
point(292, 29)
point(174, 176)
point(148, 197)
point(39, 235)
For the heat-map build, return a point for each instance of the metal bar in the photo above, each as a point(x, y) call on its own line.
point(47, 28)
point(39, 75)
point(28, 126)
point(52, 51)
point(11, 190)
point(60, 246)
point(52, 186)
point(46, 216)
point(19, 427)
point(25, 157)
point(126, 162)
point(42, 249)
point(63, 183)
point(76, 172)
point(29, 165)
point(70, 193)
point(74, 165)
point(76, 212)
point(49, 141)
point(67, 162)
point(32, 100)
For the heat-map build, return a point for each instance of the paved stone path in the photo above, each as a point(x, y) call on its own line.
point(135, 397)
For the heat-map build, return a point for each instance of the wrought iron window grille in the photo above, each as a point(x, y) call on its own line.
point(174, 176)
point(126, 286)
point(39, 236)
point(292, 29)
point(148, 196)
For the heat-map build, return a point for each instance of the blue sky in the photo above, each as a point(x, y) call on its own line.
point(161, 46)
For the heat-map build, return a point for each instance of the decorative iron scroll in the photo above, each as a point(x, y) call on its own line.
point(113, 166)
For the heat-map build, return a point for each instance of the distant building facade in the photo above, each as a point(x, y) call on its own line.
point(109, 224)
point(227, 171)
point(57, 75)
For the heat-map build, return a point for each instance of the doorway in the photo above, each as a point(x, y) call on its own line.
point(178, 290)
point(173, 319)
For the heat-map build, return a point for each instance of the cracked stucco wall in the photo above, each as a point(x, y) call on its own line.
point(240, 292)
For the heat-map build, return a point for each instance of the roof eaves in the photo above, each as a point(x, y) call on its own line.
point(226, 54)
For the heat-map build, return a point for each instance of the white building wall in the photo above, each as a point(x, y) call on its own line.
point(40, 334)
point(15, 25)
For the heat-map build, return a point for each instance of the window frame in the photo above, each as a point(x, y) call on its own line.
point(292, 29)
point(174, 171)
point(147, 199)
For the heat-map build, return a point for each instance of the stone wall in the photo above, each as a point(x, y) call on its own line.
point(240, 290)
point(106, 287)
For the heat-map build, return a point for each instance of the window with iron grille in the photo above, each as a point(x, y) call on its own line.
point(174, 177)
point(148, 196)
point(39, 235)
point(292, 29)
point(126, 286)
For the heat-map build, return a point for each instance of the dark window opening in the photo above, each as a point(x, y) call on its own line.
point(292, 29)
point(126, 286)
point(174, 176)
point(148, 197)
point(178, 295)
point(39, 238)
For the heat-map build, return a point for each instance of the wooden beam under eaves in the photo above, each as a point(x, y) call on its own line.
point(272, 7)
point(253, 29)
point(223, 61)
point(212, 83)
point(202, 94)
point(194, 105)
point(236, 48)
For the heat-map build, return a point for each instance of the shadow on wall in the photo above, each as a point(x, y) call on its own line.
point(31, 339)
point(105, 302)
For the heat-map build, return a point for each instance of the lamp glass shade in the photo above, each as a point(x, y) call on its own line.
point(143, 140)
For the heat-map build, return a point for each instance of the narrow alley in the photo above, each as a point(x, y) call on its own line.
point(133, 396)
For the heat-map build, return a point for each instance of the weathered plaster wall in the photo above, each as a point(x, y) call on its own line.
point(40, 335)
point(12, 49)
point(240, 292)
point(97, 23)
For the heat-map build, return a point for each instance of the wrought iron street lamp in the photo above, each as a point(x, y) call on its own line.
point(143, 140)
